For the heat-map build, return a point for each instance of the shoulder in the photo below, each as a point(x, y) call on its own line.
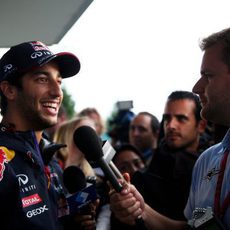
point(208, 159)
point(8, 179)
point(3, 163)
point(210, 153)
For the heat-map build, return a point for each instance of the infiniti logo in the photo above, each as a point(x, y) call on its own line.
point(36, 55)
point(22, 179)
point(7, 67)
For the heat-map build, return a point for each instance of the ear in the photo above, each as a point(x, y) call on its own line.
point(202, 126)
point(8, 90)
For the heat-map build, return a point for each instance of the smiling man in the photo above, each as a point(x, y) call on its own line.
point(31, 95)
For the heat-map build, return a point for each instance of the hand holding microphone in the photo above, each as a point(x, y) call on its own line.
point(89, 143)
point(82, 199)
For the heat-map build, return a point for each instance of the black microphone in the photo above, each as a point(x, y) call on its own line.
point(87, 140)
point(81, 192)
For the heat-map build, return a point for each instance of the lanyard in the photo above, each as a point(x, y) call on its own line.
point(218, 209)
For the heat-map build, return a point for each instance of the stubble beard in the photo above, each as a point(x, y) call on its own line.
point(36, 120)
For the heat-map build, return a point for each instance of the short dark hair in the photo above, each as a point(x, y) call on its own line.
point(155, 124)
point(179, 95)
point(15, 80)
point(222, 37)
point(126, 146)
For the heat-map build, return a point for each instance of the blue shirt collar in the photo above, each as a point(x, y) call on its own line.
point(226, 140)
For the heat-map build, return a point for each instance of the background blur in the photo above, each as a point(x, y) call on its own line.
point(139, 50)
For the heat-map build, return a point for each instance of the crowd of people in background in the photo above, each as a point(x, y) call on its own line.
point(207, 204)
point(163, 176)
point(158, 155)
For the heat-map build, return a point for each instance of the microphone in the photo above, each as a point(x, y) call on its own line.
point(81, 192)
point(108, 154)
point(87, 140)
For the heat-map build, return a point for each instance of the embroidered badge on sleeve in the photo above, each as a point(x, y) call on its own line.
point(6, 155)
point(3, 161)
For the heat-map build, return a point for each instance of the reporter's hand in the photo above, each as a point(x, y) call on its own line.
point(127, 205)
point(87, 221)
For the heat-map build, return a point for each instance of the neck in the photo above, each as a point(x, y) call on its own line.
point(18, 126)
point(38, 135)
point(13, 119)
point(193, 148)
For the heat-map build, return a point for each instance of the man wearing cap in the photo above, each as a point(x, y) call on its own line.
point(31, 194)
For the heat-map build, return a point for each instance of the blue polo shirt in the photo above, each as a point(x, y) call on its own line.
point(204, 180)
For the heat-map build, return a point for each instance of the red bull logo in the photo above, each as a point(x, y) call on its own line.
point(3, 161)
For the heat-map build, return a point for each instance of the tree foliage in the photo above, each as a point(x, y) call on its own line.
point(68, 103)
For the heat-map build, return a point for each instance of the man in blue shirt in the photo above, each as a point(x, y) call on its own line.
point(210, 188)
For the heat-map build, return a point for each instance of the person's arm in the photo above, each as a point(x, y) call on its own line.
point(156, 221)
point(129, 205)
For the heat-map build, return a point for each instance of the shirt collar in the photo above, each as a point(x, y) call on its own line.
point(226, 140)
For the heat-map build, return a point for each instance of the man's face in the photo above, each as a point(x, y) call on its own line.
point(180, 125)
point(213, 87)
point(38, 102)
point(140, 132)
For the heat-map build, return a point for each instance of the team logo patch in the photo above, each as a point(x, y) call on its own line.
point(10, 154)
point(211, 173)
point(31, 200)
point(3, 161)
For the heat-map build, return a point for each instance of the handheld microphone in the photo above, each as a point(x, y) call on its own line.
point(87, 140)
point(108, 154)
point(81, 192)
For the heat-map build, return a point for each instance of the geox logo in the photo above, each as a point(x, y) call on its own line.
point(36, 211)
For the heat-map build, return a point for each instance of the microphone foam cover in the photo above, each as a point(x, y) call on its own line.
point(87, 140)
point(74, 179)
